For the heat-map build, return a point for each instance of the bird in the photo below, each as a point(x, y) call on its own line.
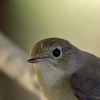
point(64, 71)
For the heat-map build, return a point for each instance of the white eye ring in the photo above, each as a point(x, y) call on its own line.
point(56, 52)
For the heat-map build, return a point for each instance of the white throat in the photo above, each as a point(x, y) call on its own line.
point(49, 74)
point(48, 77)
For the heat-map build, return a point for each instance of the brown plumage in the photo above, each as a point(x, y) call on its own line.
point(66, 72)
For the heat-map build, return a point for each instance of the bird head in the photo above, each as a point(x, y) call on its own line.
point(55, 51)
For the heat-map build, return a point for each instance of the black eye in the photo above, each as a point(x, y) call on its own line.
point(56, 52)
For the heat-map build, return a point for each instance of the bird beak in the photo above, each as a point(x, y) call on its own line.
point(34, 60)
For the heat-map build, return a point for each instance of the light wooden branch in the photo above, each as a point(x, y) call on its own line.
point(13, 62)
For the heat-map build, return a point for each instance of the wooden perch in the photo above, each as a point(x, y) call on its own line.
point(13, 62)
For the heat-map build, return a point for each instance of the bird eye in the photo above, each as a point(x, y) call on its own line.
point(56, 52)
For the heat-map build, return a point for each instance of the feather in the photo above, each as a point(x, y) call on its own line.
point(85, 86)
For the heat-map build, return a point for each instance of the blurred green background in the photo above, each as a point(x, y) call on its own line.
point(28, 21)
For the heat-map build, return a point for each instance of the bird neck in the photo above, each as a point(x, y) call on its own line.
point(53, 85)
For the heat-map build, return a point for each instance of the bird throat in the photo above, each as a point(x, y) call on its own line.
point(51, 83)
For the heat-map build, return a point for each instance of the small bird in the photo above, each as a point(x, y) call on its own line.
point(65, 72)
